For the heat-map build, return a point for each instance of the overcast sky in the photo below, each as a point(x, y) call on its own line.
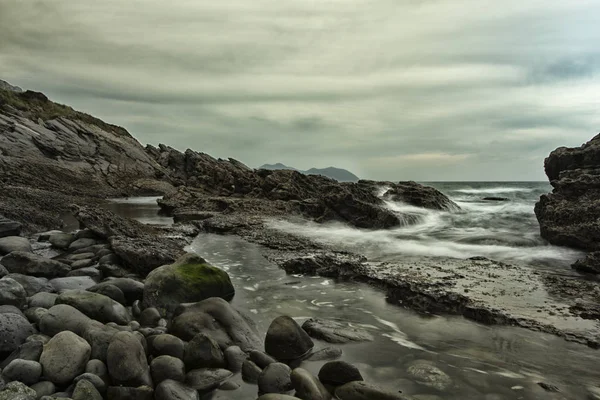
point(389, 89)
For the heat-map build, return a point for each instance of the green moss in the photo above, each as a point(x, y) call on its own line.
point(36, 105)
point(204, 277)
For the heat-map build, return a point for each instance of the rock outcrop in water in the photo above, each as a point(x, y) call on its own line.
point(569, 215)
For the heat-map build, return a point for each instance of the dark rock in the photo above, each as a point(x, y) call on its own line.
point(492, 198)
point(167, 345)
point(108, 259)
point(44, 388)
point(275, 378)
point(112, 270)
point(261, 359)
point(95, 306)
point(203, 352)
point(366, 391)
point(61, 240)
point(17, 391)
point(143, 255)
point(8, 309)
point(31, 264)
point(589, 264)
point(129, 393)
point(219, 320)
point(149, 317)
point(167, 367)
point(173, 390)
point(64, 357)
point(37, 337)
point(35, 314)
point(277, 396)
point(25, 371)
point(12, 293)
point(94, 379)
point(43, 300)
point(80, 264)
point(335, 331)
point(568, 215)
point(326, 354)
point(132, 290)
point(29, 351)
point(9, 244)
point(234, 357)
point(418, 195)
point(9, 227)
point(286, 341)
point(85, 390)
point(206, 379)
point(112, 292)
point(72, 283)
point(92, 272)
point(81, 244)
point(98, 368)
point(105, 224)
point(337, 373)
point(126, 361)
point(63, 317)
point(14, 329)
point(307, 386)
point(548, 387)
point(250, 371)
point(189, 279)
point(32, 285)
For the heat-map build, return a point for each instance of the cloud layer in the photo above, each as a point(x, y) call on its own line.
point(412, 89)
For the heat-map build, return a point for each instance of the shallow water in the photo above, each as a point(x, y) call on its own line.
point(483, 362)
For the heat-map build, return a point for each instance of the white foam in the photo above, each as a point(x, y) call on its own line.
point(494, 190)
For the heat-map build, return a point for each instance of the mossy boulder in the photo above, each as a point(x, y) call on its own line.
point(189, 279)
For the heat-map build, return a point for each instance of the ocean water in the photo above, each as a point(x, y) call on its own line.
point(501, 230)
point(480, 361)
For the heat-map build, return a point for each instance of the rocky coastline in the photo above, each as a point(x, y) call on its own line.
point(118, 310)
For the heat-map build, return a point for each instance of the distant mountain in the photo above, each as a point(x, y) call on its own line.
point(338, 174)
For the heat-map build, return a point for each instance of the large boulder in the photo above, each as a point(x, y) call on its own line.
point(286, 341)
point(95, 306)
point(65, 357)
point(335, 331)
point(190, 279)
point(216, 318)
point(14, 329)
point(32, 264)
point(419, 196)
point(144, 254)
point(9, 244)
point(63, 317)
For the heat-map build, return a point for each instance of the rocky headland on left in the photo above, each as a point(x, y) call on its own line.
point(117, 309)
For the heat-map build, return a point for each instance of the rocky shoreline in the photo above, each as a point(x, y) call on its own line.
point(118, 310)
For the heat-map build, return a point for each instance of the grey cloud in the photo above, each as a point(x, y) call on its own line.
point(424, 90)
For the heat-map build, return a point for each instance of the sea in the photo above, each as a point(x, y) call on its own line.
point(467, 360)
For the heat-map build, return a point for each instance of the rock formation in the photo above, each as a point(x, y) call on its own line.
point(570, 215)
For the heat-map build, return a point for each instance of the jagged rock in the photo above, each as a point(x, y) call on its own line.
point(106, 224)
point(64, 357)
point(286, 341)
point(143, 255)
point(216, 318)
point(335, 331)
point(31, 264)
point(17, 391)
point(95, 306)
point(190, 279)
point(14, 329)
point(568, 215)
point(417, 195)
point(9, 244)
